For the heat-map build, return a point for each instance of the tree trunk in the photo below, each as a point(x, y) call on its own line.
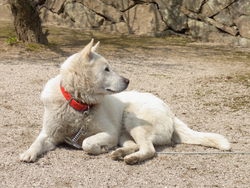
point(27, 22)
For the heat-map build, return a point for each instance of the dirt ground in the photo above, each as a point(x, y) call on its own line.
point(207, 86)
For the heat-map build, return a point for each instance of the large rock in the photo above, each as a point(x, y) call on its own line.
point(242, 7)
point(120, 27)
point(225, 17)
point(50, 18)
point(82, 16)
point(200, 30)
point(231, 30)
point(49, 14)
point(108, 12)
point(170, 11)
point(75, 15)
point(194, 6)
point(243, 24)
point(55, 6)
point(244, 42)
point(239, 8)
point(5, 13)
point(144, 19)
point(212, 7)
point(121, 5)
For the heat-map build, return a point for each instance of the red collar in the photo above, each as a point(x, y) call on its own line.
point(79, 106)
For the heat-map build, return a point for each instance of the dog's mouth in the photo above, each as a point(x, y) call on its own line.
point(118, 89)
point(110, 90)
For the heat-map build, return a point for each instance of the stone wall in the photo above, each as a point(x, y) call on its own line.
point(226, 21)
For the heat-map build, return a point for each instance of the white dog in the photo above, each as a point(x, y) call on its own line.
point(82, 110)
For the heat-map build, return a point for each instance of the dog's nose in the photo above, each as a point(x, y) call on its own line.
point(126, 81)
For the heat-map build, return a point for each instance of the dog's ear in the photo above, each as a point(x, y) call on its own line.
point(94, 48)
point(86, 52)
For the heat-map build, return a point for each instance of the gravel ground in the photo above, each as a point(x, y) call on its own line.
point(206, 87)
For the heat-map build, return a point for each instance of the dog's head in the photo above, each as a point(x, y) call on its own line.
point(88, 73)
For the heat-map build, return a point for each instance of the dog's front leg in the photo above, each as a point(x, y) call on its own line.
point(99, 143)
point(42, 144)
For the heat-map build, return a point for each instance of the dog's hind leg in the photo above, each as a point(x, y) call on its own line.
point(99, 143)
point(42, 144)
point(128, 147)
point(146, 147)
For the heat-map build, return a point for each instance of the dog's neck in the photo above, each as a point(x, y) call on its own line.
point(79, 106)
point(83, 96)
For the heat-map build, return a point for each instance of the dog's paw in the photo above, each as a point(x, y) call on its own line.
point(117, 154)
point(28, 156)
point(94, 149)
point(131, 159)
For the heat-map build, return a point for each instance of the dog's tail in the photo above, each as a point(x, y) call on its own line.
point(183, 134)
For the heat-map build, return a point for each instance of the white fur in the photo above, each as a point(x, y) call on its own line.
point(136, 121)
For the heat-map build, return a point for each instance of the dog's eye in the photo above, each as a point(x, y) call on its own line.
point(107, 69)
